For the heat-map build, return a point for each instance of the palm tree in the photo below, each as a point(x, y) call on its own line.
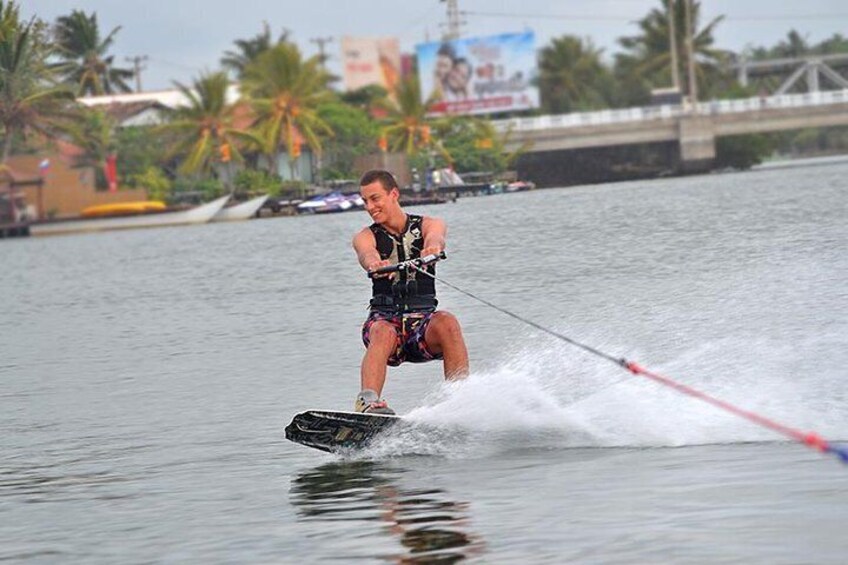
point(646, 63)
point(28, 101)
point(407, 126)
point(97, 140)
point(85, 62)
point(573, 77)
point(285, 91)
point(204, 131)
point(247, 50)
point(794, 45)
point(366, 97)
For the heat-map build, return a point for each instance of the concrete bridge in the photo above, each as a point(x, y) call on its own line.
point(693, 129)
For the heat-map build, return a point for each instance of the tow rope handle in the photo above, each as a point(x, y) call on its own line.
point(408, 265)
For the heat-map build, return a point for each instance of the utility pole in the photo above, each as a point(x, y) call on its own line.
point(454, 22)
point(672, 41)
point(137, 61)
point(690, 55)
point(321, 41)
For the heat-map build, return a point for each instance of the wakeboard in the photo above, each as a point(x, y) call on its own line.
point(335, 431)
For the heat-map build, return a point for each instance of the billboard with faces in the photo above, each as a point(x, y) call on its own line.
point(479, 75)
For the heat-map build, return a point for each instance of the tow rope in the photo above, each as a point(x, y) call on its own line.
point(810, 439)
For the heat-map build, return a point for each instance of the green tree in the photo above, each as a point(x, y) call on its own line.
point(646, 61)
point(795, 45)
point(742, 151)
point(837, 43)
point(473, 145)
point(284, 92)
point(572, 76)
point(366, 98)
point(139, 148)
point(29, 102)
point(204, 131)
point(250, 181)
point(247, 50)
point(85, 61)
point(355, 133)
point(154, 181)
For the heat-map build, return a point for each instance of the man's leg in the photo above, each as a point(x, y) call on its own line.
point(382, 343)
point(444, 335)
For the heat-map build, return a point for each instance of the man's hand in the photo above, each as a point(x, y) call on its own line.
point(431, 250)
point(372, 266)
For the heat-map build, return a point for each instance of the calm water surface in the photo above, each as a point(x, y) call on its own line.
point(146, 377)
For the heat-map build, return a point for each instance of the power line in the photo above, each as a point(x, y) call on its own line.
point(598, 17)
point(767, 19)
point(419, 19)
point(786, 18)
point(175, 65)
point(547, 16)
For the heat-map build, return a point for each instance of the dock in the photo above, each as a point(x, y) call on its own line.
point(19, 229)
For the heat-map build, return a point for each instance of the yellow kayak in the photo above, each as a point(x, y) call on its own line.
point(123, 208)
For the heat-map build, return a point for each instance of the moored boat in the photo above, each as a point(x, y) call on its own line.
point(520, 186)
point(123, 209)
point(331, 202)
point(243, 211)
point(198, 215)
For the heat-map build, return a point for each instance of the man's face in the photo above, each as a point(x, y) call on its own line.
point(379, 203)
point(459, 75)
point(443, 66)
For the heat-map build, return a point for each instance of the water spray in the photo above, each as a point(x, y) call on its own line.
point(810, 439)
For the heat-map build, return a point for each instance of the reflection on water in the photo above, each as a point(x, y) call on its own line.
point(430, 527)
point(50, 483)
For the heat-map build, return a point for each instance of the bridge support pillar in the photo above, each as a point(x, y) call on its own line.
point(697, 144)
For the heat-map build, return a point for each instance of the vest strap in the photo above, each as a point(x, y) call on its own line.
point(400, 303)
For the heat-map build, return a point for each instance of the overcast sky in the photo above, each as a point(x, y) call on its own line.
point(181, 38)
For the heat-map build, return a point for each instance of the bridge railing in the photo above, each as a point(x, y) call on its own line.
point(645, 113)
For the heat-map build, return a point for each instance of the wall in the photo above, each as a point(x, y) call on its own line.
point(395, 163)
point(66, 190)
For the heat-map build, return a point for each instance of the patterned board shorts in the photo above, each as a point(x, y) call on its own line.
point(410, 330)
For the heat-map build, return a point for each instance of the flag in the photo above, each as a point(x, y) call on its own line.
point(43, 166)
point(110, 170)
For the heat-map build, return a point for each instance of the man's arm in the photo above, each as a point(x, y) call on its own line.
point(365, 246)
point(434, 231)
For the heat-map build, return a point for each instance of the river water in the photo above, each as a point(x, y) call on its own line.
point(146, 377)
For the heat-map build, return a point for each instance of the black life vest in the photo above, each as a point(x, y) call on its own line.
point(409, 291)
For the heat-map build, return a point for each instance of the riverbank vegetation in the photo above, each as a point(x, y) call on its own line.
point(289, 103)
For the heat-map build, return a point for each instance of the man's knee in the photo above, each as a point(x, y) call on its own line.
point(381, 335)
point(446, 326)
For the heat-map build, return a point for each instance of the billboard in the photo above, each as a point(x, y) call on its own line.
point(479, 75)
point(368, 60)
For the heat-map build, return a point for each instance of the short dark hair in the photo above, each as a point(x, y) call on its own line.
point(385, 178)
point(464, 61)
point(447, 50)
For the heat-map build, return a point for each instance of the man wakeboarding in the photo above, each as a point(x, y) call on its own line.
point(403, 323)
